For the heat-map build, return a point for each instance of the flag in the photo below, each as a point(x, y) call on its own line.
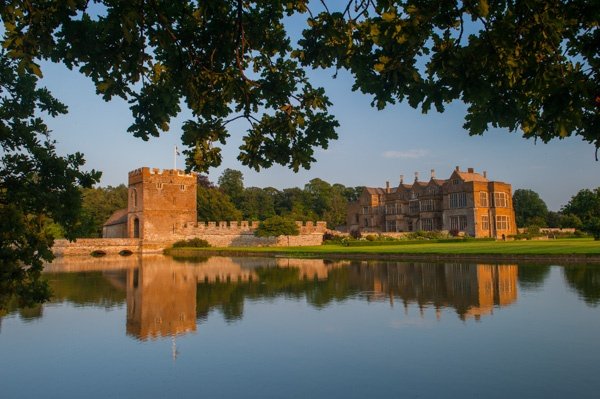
point(177, 151)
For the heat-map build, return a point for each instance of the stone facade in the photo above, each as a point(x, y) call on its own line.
point(467, 202)
point(160, 202)
point(162, 209)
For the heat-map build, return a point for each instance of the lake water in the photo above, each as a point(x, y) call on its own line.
point(221, 327)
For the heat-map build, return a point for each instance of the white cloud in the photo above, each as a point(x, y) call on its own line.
point(408, 154)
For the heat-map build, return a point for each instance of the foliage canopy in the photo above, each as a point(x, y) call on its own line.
point(529, 65)
point(276, 226)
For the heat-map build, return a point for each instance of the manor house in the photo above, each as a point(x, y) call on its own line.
point(467, 202)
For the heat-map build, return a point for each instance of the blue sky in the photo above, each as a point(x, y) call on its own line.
point(374, 146)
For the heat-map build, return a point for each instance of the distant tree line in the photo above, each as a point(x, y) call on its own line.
point(581, 212)
point(229, 200)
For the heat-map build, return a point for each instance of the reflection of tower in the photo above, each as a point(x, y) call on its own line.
point(174, 351)
point(161, 301)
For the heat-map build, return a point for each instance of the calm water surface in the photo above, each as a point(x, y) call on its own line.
point(288, 328)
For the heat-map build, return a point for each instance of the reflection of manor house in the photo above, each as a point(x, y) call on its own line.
point(162, 207)
point(466, 202)
point(473, 290)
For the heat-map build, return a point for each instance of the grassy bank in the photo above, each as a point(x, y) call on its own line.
point(579, 248)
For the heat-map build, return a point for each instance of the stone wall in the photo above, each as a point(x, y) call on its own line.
point(221, 234)
point(85, 246)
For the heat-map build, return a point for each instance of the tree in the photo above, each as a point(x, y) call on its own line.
point(215, 205)
point(592, 226)
point(570, 221)
point(528, 65)
point(277, 226)
point(231, 182)
point(98, 204)
point(37, 186)
point(257, 204)
point(585, 204)
point(530, 209)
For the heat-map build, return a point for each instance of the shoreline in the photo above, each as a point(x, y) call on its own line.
point(563, 258)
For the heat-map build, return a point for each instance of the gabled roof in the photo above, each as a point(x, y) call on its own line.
point(118, 217)
point(466, 176)
point(439, 182)
point(379, 190)
point(375, 190)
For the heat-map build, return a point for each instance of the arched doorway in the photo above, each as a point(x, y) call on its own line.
point(136, 228)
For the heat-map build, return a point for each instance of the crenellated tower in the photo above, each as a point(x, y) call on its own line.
point(160, 202)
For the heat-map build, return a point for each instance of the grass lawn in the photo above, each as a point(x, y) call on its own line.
point(582, 246)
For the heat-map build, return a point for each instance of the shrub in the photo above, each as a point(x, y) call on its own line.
point(371, 237)
point(277, 226)
point(191, 243)
point(355, 234)
point(330, 238)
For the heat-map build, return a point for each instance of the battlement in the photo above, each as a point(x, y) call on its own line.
point(146, 171)
point(244, 227)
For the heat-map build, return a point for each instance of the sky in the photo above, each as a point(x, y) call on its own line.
point(373, 146)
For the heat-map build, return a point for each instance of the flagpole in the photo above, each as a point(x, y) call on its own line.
point(175, 158)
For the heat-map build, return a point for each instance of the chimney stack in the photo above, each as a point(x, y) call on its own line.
point(416, 176)
point(387, 187)
point(485, 174)
point(471, 170)
point(401, 179)
point(433, 173)
point(457, 169)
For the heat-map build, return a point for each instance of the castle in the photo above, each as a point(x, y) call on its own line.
point(161, 208)
point(466, 203)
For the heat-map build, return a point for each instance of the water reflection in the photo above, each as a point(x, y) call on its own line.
point(166, 297)
point(585, 281)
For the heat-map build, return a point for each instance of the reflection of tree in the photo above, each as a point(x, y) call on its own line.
point(585, 279)
point(532, 275)
point(87, 288)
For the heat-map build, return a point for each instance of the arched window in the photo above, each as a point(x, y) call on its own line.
point(134, 198)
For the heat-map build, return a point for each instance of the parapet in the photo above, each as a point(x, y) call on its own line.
point(140, 174)
point(245, 226)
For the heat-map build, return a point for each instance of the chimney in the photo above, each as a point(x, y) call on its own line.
point(387, 187)
point(485, 174)
point(416, 176)
point(433, 173)
point(471, 170)
point(457, 169)
point(401, 179)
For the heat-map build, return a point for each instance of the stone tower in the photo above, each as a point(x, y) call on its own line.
point(160, 201)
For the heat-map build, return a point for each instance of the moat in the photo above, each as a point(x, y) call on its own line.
point(155, 326)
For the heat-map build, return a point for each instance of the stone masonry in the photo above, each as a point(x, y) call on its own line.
point(466, 203)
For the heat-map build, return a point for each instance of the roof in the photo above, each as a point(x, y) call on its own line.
point(439, 182)
point(466, 176)
point(118, 217)
point(377, 190)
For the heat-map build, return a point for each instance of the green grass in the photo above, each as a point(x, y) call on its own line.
point(583, 246)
